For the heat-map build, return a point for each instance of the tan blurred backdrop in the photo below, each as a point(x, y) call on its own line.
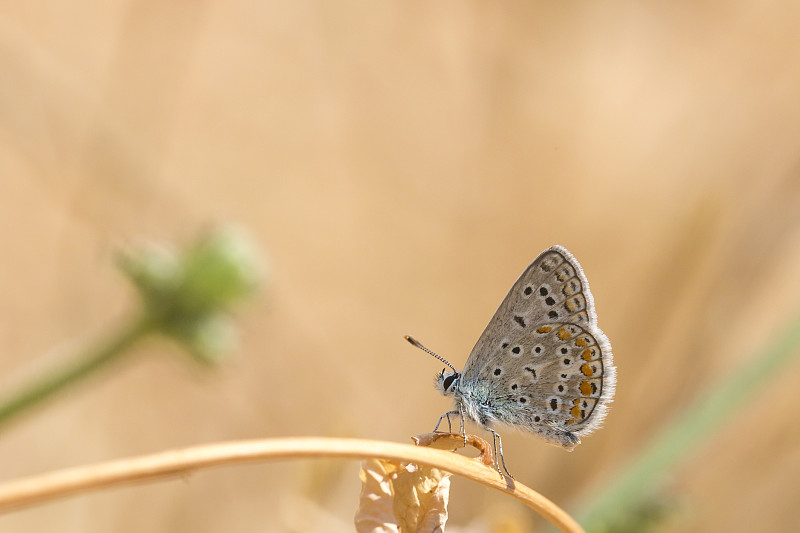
point(400, 163)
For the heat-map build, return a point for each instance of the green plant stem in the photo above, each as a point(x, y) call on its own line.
point(96, 357)
point(641, 480)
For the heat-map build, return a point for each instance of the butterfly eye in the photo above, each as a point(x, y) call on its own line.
point(449, 381)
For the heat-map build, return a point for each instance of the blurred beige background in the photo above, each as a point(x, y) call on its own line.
point(400, 163)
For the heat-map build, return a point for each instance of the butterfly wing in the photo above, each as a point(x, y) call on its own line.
point(552, 289)
point(556, 381)
point(552, 293)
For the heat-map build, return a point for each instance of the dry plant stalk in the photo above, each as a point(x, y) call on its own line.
point(178, 463)
point(454, 441)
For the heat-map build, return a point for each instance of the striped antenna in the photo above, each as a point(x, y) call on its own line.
point(416, 343)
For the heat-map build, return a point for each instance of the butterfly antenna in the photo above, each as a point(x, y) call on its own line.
point(416, 343)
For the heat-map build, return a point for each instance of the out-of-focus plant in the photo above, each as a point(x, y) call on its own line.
point(186, 296)
point(634, 500)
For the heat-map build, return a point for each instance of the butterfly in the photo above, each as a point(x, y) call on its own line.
point(541, 364)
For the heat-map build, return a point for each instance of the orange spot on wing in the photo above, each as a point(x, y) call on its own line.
point(563, 334)
point(586, 388)
point(544, 329)
point(575, 411)
point(587, 369)
point(587, 354)
point(581, 343)
point(571, 305)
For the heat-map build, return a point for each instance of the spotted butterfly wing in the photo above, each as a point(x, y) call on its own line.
point(542, 361)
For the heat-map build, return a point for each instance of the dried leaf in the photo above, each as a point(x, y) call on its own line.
point(421, 497)
point(401, 499)
point(374, 513)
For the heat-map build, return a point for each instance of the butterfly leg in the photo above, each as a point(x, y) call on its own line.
point(498, 457)
point(449, 425)
point(461, 415)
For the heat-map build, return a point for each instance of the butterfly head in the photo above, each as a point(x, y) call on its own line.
point(447, 382)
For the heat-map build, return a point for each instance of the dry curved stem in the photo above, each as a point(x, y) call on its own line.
point(61, 483)
point(454, 441)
